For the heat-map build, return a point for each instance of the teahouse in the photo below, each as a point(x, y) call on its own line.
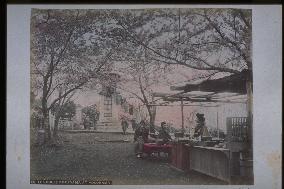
point(224, 160)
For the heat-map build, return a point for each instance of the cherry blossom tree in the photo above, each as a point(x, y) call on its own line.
point(63, 58)
point(201, 39)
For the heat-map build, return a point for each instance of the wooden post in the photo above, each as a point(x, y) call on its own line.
point(182, 116)
point(154, 109)
point(179, 25)
point(217, 124)
point(250, 114)
point(153, 112)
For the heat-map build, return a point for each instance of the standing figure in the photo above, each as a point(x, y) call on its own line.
point(96, 118)
point(200, 124)
point(124, 125)
point(140, 137)
point(86, 122)
point(133, 124)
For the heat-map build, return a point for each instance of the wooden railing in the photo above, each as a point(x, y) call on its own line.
point(65, 124)
point(211, 161)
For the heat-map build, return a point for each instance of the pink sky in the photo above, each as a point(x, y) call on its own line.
point(172, 114)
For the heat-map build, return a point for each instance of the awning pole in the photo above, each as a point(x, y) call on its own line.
point(182, 116)
point(217, 124)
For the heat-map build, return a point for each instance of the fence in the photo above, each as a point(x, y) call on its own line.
point(65, 124)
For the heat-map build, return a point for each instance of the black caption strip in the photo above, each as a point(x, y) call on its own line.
point(72, 182)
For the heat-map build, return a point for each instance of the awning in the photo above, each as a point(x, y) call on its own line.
point(235, 83)
point(229, 89)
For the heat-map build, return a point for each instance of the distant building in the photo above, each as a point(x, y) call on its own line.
point(112, 107)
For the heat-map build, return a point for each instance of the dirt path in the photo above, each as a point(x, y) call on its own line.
point(107, 161)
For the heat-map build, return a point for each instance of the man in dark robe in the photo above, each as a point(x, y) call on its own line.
point(140, 137)
point(124, 125)
point(163, 134)
point(200, 124)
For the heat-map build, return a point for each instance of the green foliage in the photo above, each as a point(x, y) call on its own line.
point(68, 110)
point(90, 113)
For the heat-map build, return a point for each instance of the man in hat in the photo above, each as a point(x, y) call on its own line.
point(133, 124)
point(163, 134)
point(200, 123)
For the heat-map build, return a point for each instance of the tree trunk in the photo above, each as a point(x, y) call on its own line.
point(152, 120)
point(154, 115)
point(56, 122)
point(46, 125)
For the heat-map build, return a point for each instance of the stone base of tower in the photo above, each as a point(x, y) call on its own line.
point(110, 127)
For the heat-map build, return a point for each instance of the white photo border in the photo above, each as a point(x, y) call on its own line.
point(267, 98)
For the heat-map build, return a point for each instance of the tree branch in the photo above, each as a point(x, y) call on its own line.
point(38, 72)
point(133, 93)
point(214, 25)
point(178, 61)
point(244, 18)
point(54, 88)
point(45, 22)
point(212, 68)
point(67, 93)
point(142, 91)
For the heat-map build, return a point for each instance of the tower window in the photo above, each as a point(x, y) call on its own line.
point(108, 103)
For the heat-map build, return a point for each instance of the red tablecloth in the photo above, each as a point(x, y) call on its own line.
point(153, 147)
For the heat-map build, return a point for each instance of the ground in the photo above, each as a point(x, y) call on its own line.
point(106, 156)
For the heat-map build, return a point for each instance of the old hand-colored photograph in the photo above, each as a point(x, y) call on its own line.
point(154, 96)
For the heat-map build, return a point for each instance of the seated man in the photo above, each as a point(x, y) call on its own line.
point(163, 134)
point(153, 136)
